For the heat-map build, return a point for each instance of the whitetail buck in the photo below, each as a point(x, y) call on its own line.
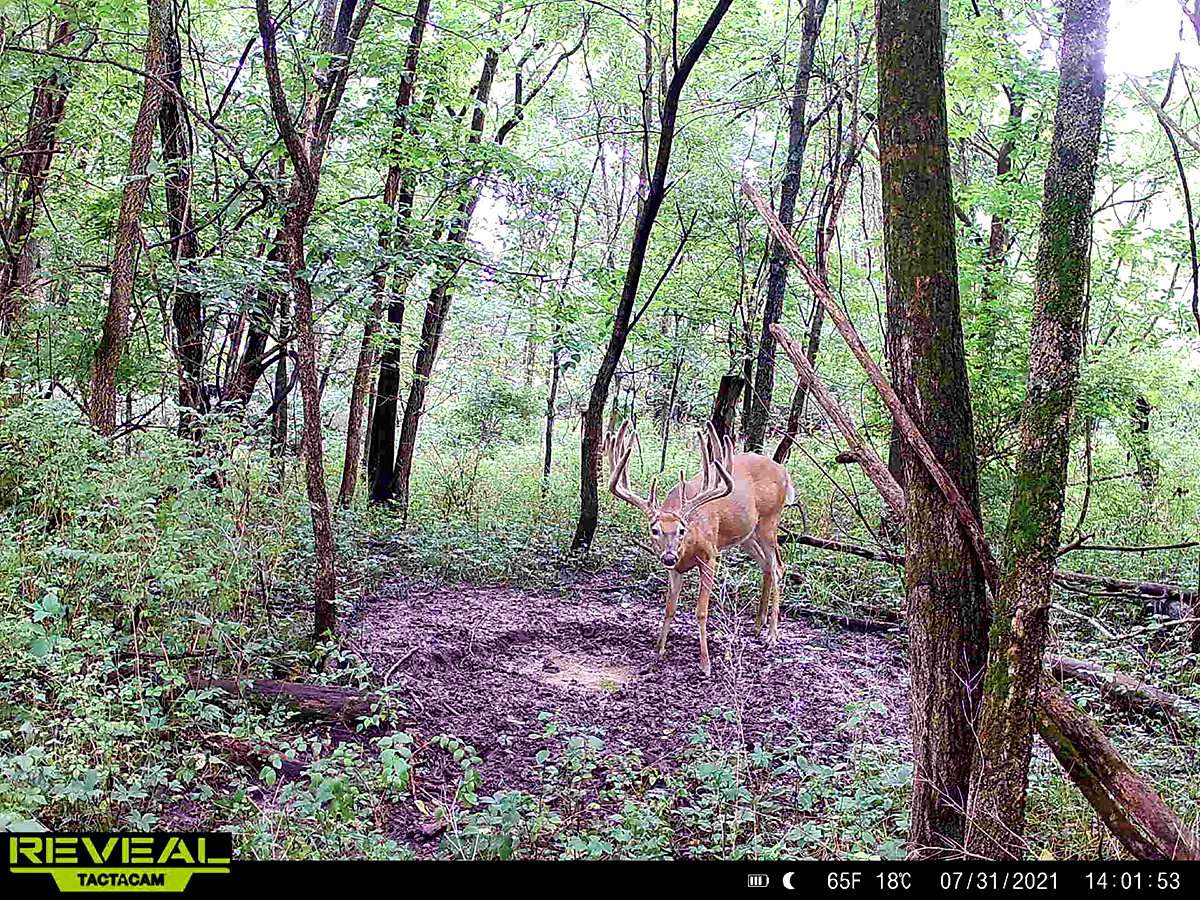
point(736, 500)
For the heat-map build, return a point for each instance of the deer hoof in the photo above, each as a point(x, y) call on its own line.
point(706, 669)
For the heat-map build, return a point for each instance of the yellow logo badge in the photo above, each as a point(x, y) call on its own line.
point(120, 862)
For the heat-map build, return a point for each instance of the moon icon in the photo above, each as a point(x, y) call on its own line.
point(787, 880)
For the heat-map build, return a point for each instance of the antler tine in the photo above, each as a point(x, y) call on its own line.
point(717, 458)
point(618, 480)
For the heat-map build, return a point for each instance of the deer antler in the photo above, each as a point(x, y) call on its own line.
point(716, 459)
point(619, 448)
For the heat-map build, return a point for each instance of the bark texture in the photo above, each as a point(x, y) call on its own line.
point(947, 603)
point(1130, 808)
point(46, 112)
point(175, 132)
point(759, 412)
point(102, 393)
point(1022, 608)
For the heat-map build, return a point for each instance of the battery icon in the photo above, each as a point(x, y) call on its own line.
point(758, 880)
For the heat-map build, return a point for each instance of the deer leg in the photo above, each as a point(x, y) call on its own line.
point(777, 582)
point(764, 598)
point(707, 573)
point(768, 542)
point(674, 586)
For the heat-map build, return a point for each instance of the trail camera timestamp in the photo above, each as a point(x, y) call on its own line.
point(1144, 880)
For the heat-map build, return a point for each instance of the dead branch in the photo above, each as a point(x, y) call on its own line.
point(320, 699)
point(1130, 808)
point(904, 422)
point(1125, 690)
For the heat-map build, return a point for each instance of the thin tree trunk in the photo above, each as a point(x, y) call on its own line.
point(827, 222)
point(947, 604)
point(46, 113)
point(176, 135)
point(725, 406)
point(438, 307)
point(102, 395)
point(279, 419)
point(397, 197)
point(551, 405)
point(593, 417)
point(669, 412)
point(306, 140)
point(777, 270)
point(1022, 608)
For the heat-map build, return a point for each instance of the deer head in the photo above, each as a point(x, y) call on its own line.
point(669, 523)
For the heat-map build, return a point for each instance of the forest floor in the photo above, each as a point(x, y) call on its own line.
point(491, 665)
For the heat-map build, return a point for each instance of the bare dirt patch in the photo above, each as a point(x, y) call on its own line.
point(482, 663)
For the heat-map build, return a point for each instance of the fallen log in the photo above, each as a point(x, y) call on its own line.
point(808, 540)
point(1124, 690)
point(320, 699)
point(850, 623)
point(1129, 807)
point(1170, 599)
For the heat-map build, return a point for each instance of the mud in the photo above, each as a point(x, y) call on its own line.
point(481, 663)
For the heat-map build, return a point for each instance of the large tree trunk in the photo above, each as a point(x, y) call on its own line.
point(759, 412)
point(46, 113)
point(175, 132)
point(1022, 609)
point(102, 395)
point(947, 604)
point(398, 194)
point(593, 417)
point(438, 306)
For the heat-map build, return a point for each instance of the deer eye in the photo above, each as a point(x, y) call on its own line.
point(655, 530)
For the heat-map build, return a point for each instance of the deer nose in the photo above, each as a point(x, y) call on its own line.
point(669, 559)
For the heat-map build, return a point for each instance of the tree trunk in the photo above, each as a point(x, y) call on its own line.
point(102, 395)
point(279, 418)
point(398, 193)
point(593, 417)
point(551, 405)
point(175, 132)
point(306, 140)
point(947, 604)
point(46, 113)
point(439, 301)
point(777, 269)
point(726, 404)
point(1022, 609)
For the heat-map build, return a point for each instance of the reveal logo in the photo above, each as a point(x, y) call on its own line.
point(120, 862)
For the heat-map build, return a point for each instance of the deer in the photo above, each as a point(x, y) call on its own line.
point(735, 501)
